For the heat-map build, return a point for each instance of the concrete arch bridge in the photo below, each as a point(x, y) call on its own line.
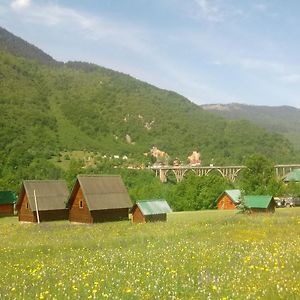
point(230, 172)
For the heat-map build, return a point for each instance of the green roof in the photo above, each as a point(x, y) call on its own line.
point(235, 195)
point(292, 176)
point(7, 197)
point(154, 207)
point(257, 201)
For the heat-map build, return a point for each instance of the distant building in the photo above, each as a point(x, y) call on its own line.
point(229, 199)
point(195, 159)
point(293, 176)
point(98, 198)
point(260, 204)
point(45, 198)
point(150, 211)
point(176, 162)
point(7, 202)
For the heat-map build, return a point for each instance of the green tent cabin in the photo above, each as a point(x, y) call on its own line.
point(99, 198)
point(43, 199)
point(260, 204)
point(229, 199)
point(293, 176)
point(8, 200)
point(150, 211)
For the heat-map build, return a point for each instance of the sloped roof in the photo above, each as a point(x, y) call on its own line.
point(257, 201)
point(154, 207)
point(50, 194)
point(292, 176)
point(7, 197)
point(104, 192)
point(235, 195)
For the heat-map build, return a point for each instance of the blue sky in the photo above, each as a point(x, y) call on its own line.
point(211, 51)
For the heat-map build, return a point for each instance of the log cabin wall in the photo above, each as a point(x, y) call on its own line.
point(79, 211)
point(6, 210)
point(226, 203)
point(53, 215)
point(156, 218)
point(107, 215)
point(137, 216)
point(25, 213)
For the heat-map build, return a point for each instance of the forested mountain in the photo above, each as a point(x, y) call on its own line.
point(284, 120)
point(80, 106)
point(19, 47)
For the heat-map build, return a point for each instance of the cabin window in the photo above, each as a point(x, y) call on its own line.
point(80, 204)
point(27, 205)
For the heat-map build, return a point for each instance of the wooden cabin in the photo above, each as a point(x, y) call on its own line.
point(229, 199)
point(46, 199)
point(99, 198)
point(150, 211)
point(7, 203)
point(259, 204)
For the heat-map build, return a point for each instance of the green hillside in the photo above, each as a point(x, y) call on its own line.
point(284, 120)
point(52, 108)
point(17, 46)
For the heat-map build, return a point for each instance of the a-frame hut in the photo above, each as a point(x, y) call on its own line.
point(45, 199)
point(150, 211)
point(99, 198)
point(229, 199)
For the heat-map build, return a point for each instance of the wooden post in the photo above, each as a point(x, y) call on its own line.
point(36, 207)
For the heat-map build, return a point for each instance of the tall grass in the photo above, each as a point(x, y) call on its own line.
point(195, 255)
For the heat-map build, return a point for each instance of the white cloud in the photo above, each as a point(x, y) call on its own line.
point(20, 4)
point(213, 11)
point(208, 10)
point(86, 25)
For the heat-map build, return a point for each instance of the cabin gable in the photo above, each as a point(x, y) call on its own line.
point(78, 210)
point(225, 202)
point(137, 215)
point(25, 212)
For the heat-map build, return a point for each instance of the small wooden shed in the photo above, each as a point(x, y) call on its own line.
point(48, 198)
point(8, 200)
point(260, 204)
point(150, 211)
point(99, 198)
point(229, 199)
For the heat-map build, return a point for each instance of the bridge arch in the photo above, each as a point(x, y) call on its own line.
point(186, 172)
point(215, 170)
point(171, 175)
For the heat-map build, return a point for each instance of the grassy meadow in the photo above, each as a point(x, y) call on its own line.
point(195, 255)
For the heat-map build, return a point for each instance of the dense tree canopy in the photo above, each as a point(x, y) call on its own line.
point(195, 193)
point(259, 178)
point(49, 107)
